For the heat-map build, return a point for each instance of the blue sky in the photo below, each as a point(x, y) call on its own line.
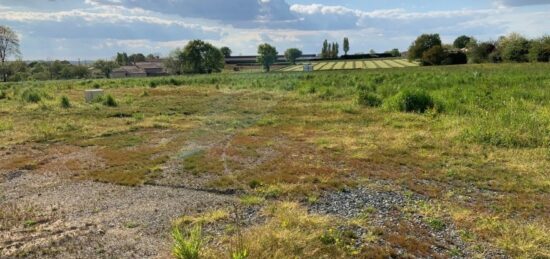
point(91, 29)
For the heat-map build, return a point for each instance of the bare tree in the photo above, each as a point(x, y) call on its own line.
point(9, 45)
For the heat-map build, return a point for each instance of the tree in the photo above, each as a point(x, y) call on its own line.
point(174, 62)
point(346, 46)
point(479, 52)
point(106, 67)
point(540, 49)
point(325, 50)
point(226, 51)
point(422, 44)
point(292, 54)
point(462, 41)
point(201, 57)
point(267, 55)
point(395, 53)
point(122, 59)
point(513, 47)
point(9, 45)
point(335, 50)
point(434, 56)
point(138, 57)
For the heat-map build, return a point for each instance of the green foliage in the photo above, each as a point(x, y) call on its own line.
point(65, 103)
point(436, 224)
point(330, 50)
point(187, 245)
point(31, 95)
point(514, 48)
point(201, 57)
point(2, 94)
point(422, 44)
point(369, 99)
point(540, 50)
point(292, 54)
point(241, 254)
point(480, 52)
point(106, 67)
point(462, 41)
point(110, 101)
point(410, 100)
point(346, 46)
point(434, 56)
point(226, 51)
point(267, 56)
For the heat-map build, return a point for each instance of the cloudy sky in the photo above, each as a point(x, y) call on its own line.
point(90, 29)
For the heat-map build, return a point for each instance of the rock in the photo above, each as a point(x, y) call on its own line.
point(90, 95)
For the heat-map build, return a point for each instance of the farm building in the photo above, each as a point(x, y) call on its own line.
point(140, 69)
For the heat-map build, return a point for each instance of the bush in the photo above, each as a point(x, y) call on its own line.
point(454, 58)
point(110, 101)
point(411, 101)
point(153, 84)
point(187, 245)
point(65, 103)
point(31, 95)
point(369, 99)
point(2, 95)
point(434, 56)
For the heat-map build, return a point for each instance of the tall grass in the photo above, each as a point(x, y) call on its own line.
point(187, 245)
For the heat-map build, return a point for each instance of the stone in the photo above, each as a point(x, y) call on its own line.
point(90, 95)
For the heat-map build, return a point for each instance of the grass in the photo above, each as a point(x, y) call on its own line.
point(187, 245)
point(476, 143)
point(352, 64)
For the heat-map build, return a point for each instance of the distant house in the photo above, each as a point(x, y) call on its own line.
point(140, 69)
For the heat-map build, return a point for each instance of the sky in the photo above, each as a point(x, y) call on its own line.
point(94, 29)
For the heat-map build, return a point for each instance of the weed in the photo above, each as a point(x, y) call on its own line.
point(414, 100)
point(251, 200)
point(369, 99)
point(110, 101)
point(65, 103)
point(436, 224)
point(187, 245)
point(31, 95)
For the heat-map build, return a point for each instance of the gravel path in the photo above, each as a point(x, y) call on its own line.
point(81, 219)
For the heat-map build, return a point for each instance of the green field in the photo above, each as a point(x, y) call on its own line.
point(353, 64)
point(460, 150)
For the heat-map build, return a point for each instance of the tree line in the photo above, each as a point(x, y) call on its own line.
point(429, 50)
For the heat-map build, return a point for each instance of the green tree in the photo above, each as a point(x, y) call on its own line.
point(174, 62)
point(201, 57)
point(292, 54)
point(513, 48)
point(462, 41)
point(226, 51)
point(267, 56)
point(346, 46)
point(540, 49)
point(422, 44)
point(434, 56)
point(325, 50)
point(134, 58)
point(122, 59)
point(9, 45)
point(395, 53)
point(335, 50)
point(106, 67)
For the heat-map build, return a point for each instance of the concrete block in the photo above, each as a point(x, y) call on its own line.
point(90, 95)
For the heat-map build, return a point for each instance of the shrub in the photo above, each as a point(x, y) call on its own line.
point(110, 101)
point(31, 95)
point(2, 95)
point(65, 103)
point(153, 84)
point(187, 245)
point(433, 56)
point(416, 100)
point(454, 58)
point(369, 99)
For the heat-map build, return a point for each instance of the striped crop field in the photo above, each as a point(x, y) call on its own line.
point(353, 64)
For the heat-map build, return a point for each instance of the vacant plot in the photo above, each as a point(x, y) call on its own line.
point(354, 64)
point(414, 162)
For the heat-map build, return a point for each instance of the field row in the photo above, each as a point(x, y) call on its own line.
point(354, 64)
